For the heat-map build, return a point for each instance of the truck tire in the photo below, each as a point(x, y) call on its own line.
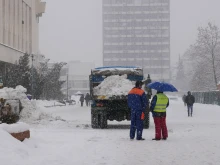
point(94, 120)
point(99, 120)
point(147, 120)
point(103, 121)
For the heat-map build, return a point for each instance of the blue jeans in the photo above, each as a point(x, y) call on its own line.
point(136, 124)
point(190, 110)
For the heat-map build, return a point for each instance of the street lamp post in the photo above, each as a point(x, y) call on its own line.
point(67, 88)
point(32, 76)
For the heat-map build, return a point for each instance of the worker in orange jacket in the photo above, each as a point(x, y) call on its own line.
point(137, 102)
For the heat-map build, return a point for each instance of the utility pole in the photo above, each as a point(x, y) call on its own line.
point(67, 88)
point(32, 76)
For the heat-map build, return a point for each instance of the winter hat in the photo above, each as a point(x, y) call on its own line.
point(138, 84)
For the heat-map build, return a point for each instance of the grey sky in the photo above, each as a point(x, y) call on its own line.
point(72, 29)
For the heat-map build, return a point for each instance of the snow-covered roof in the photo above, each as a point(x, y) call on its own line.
point(116, 70)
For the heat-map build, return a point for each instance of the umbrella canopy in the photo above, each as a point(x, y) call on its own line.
point(78, 93)
point(162, 86)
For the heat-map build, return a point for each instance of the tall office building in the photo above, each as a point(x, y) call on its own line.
point(137, 33)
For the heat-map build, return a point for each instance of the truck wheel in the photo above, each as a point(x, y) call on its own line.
point(99, 120)
point(147, 121)
point(103, 123)
point(94, 120)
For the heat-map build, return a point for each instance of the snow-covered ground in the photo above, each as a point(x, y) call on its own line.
point(63, 136)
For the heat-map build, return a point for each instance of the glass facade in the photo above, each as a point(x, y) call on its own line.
point(137, 33)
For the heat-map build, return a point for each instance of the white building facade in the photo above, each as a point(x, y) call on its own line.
point(19, 28)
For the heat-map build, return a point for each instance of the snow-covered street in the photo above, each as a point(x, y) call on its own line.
point(70, 140)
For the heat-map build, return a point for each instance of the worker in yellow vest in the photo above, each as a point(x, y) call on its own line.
point(158, 107)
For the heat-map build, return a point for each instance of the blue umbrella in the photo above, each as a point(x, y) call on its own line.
point(162, 86)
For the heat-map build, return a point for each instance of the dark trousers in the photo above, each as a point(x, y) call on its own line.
point(160, 127)
point(190, 110)
point(81, 103)
point(136, 124)
point(87, 103)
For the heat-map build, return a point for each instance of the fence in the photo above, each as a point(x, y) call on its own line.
point(211, 97)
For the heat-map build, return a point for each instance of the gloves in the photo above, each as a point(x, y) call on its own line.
point(142, 116)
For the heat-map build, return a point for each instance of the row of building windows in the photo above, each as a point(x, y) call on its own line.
point(160, 71)
point(137, 47)
point(135, 35)
point(135, 9)
point(15, 24)
point(137, 16)
point(147, 68)
point(144, 55)
point(154, 32)
point(136, 2)
point(137, 43)
point(148, 24)
point(156, 72)
point(134, 20)
point(145, 40)
point(135, 28)
point(137, 52)
point(141, 62)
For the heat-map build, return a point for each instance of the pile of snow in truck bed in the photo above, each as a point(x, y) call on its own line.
point(114, 85)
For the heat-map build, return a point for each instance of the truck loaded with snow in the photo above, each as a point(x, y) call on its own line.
point(109, 87)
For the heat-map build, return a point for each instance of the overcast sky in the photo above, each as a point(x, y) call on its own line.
point(72, 29)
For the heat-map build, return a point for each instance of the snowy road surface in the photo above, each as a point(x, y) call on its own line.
point(70, 140)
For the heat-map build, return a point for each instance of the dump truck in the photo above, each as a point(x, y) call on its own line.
point(109, 105)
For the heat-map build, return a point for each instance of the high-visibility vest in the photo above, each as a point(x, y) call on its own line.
point(161, 103)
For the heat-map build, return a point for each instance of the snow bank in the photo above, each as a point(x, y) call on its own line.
point(15, 128)
point(32, 110)
point(47, 103)
point(114, 85)
point(11, 93)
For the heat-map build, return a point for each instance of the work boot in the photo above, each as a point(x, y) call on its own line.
point(141, 139)
point(156, 139)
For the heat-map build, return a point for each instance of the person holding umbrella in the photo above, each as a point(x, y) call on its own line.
point(158, 107)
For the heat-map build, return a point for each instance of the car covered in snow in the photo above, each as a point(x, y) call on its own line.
point(109, 87)
point(10, 110)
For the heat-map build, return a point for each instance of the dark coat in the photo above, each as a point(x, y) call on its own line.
point(184, 98)
point(82, 98)
point(137, 100)
point(190, 100)
point(87, 98)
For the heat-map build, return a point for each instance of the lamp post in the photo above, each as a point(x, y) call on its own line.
point(148, 90)
point(32, 76)
point(67, 88)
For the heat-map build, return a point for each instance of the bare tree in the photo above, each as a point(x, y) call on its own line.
point(205, 58)
point(207, 46)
